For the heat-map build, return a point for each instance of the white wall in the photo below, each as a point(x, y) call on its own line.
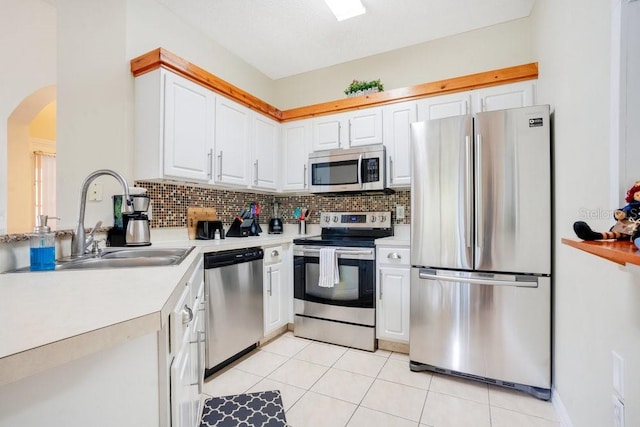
point(28, 51)
point(95, 123)
point(97, 40)
point(151, 25)
point(499, 46)
point(596, 301)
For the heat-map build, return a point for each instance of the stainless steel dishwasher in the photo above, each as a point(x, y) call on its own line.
point(234, 305)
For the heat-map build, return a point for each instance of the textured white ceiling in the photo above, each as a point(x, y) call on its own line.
point(286, 37)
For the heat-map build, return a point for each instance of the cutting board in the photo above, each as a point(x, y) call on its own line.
point(195, 214)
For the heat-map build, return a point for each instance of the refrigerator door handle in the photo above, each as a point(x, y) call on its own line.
point(468, 219)
point(478, 281)
point(478, 168)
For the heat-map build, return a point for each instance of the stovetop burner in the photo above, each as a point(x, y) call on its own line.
point(355, 229)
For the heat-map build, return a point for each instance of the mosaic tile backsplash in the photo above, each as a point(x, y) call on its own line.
point(170, 202)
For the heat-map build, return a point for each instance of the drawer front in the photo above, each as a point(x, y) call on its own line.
point(393, 256)
point(272, 255)
point(180, 318)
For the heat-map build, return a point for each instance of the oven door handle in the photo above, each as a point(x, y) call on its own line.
point(341, 251)
point(360, 254)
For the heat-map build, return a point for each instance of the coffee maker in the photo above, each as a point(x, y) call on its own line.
point(130, 229)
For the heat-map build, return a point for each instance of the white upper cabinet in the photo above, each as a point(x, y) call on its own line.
point(365, 127)
point(266, 153)
point(296, 145)
point(330, 132)
point(501, 97)
point(439, 107)
point(344, 130)
point(232, 134)
point(174, 128)
point(397, 138)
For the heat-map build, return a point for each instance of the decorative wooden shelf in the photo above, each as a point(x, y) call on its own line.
point(619, 252)
point(161, 57)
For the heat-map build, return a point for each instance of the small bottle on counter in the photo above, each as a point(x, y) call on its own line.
point(42, 246)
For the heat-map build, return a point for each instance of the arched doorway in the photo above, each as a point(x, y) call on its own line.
point(31, 128)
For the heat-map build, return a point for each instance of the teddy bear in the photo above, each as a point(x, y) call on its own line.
point(627, 225)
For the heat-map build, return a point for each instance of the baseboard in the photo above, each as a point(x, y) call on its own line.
point(275, 334)
point(563, 415)
point(396, 347)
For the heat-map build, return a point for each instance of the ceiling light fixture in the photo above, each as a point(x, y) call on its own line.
point(345, 9)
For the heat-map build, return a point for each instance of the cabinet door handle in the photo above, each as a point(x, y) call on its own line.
point(390, 170)
point(304, 177)
point(187, 315)
point(210, 164)
point(339, 135)
point(350, 132)
point(220, 166)
point(275, 253)
point(394, 255)
point(270, 276)
point(255, 178)
point(380, 281)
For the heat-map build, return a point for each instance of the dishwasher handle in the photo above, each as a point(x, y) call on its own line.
point(236, 256)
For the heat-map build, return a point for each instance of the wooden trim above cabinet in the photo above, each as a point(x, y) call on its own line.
point(162, 58)
point(441, 87)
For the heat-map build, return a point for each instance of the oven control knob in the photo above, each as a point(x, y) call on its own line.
point(373, 219)
point(383, 218)
point(327, 218)
point(335, 218)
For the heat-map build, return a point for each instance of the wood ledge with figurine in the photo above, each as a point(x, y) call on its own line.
point(622, 242)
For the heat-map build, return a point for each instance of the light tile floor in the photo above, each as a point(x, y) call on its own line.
point(324, 385)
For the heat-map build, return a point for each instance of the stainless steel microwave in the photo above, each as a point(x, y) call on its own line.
point(354, 169)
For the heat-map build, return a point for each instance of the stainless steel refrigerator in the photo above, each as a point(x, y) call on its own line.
point(481, 248)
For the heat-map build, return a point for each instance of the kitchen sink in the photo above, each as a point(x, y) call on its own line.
point(123, 258)
point(127, 258)
point(146, 252)
point(97, 263)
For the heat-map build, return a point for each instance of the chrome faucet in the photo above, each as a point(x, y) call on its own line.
point(79, 240)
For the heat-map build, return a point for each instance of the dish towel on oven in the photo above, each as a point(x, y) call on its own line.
point(329, 275)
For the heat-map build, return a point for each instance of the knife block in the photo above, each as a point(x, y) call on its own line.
point(240, 228)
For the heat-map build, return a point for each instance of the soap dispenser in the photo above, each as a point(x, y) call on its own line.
point(42, 246)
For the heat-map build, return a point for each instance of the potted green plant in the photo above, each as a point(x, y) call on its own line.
point(363, 87)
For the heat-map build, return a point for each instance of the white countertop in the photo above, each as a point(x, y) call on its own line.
point(49, 318)
point(401, 237)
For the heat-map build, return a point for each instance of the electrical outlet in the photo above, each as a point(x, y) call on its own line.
point(618, 412)
point(618, 374)
point(95, 192)
point(399, 212)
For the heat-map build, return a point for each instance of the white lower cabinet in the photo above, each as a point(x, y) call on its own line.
point(276, 306)
point(186, 352)
point(393, 288)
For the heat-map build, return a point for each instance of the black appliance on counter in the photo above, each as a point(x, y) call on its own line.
point(345, 313)
point(244, 228)
point(206, 230)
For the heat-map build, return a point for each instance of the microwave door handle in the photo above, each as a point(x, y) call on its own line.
point(360, 171)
